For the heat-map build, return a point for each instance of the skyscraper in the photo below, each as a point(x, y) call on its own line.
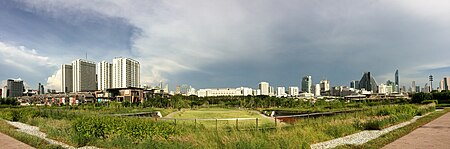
point(40, 89)
point(413, 87)
point(317, 90)
point(307, 84)
point(104, 75)
point(324, 85)
point(293, 91)
point(368, 83)
point(66, 78)
point(354, 84)
point(397, 81)
point(14, 87)
point(126, 73)
point(443, 85)
point(83, 74)
point(264, 87)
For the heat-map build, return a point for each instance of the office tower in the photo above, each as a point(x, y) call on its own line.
point(126, 73)
point(397, 81)
point(324, 85)
point(307, 84)
point(317, 90)
point(418, 89)
point(281, 91)
point(40, 89)
point(368, 83)
point(413, 87)
point(83, 74)
point(264, 87)
point(354, 84)
point(293, 91)
point(14, 88)
point(166, 88)
point(66, 78)
point(443, 84)
point(104, 75)
point(271, 91)
point(4, 92)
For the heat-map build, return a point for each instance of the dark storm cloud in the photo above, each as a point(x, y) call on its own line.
point(240, 43)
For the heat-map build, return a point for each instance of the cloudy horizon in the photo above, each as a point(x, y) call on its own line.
point(210, 44)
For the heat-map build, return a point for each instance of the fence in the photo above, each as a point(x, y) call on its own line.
point(223, 123)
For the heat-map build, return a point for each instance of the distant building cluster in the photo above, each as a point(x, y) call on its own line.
point(83, 75)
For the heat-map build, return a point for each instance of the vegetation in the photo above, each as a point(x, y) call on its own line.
point(23, 137)
point(441, 97)
point(9, 101)
point(89, 125)
point(398, 133)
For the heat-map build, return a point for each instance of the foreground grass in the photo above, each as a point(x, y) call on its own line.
point(396, 134)
point(303, 132)
point(25, 138)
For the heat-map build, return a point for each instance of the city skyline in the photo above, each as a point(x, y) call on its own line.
point(179, 43)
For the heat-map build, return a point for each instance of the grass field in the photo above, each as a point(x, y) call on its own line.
point(197, 117)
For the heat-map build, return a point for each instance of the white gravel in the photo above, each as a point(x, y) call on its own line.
point(361, 137)
point(33, 130)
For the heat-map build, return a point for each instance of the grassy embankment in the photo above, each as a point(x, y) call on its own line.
point(84, 128)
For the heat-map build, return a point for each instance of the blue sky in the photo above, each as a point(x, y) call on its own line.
point(229, 43)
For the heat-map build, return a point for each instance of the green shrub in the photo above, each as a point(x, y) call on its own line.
point(135, 129)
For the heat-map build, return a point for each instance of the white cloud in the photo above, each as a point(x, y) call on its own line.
point(54, 81)
point(20, 57)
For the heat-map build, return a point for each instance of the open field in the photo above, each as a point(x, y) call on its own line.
point(81, 126)
point(206, 117)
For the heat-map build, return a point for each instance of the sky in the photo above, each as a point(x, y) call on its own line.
point(233, 43)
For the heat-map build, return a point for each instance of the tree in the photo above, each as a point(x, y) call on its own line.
point(419, 97)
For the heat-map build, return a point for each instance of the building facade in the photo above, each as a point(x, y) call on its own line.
point(125, 73)
point(307, 84)
point(281, 92)
point(14, 88)
point(293, 91)
point(84, 76)
point(368, 83)
point(66, 78)
point(104, 75)
point(264, 87)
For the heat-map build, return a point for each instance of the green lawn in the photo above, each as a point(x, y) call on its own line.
point(196, 117)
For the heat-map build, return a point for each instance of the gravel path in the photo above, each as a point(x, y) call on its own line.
point(361, 137)
point(33, 130)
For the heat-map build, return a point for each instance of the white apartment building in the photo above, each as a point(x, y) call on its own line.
point(281, 92)
point(126, 73)
point(293, 91)
point(215, 92)
point(83, 74)
point(384, 89)
point(66, 78)
point(104, 75)
point(317, 90)
point(324, 85)
point(244, 91)
point(264, 87)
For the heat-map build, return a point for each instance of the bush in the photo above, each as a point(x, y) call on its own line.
point(136, 129)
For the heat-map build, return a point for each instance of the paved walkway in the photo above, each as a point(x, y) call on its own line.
point(435, 134)
point(8, 142)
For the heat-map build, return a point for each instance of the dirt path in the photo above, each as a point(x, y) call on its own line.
point(435, 134)
point(11, 143)
point(170, 115)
